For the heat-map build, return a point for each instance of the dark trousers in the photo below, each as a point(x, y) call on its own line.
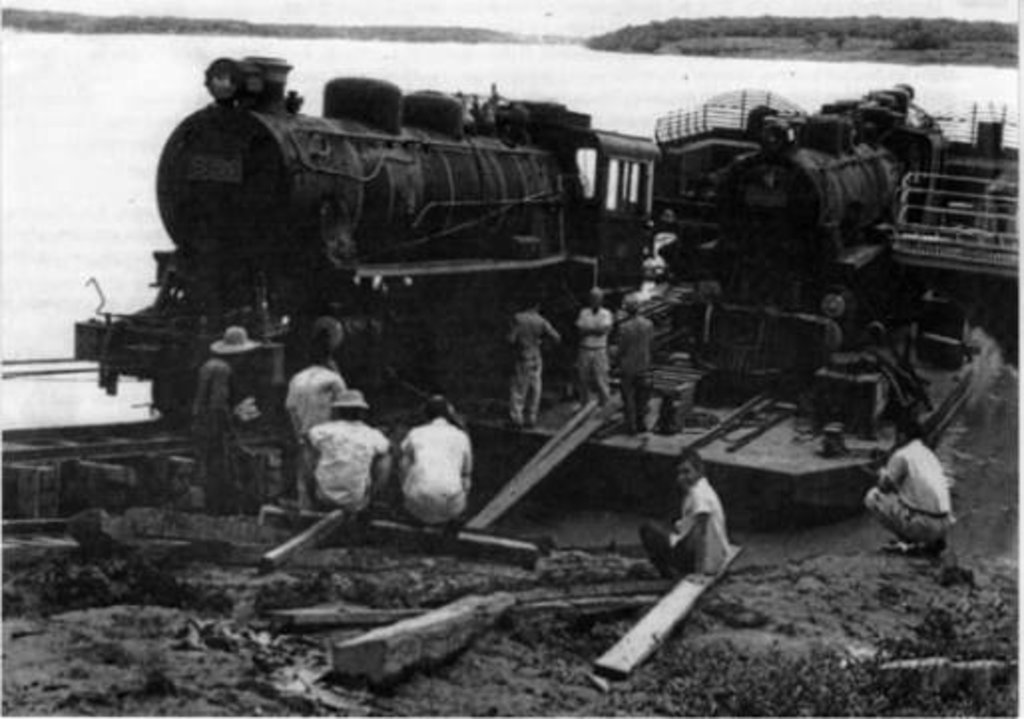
point(671, 562)
point(636, 395)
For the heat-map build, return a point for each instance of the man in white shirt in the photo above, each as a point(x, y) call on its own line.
point(698, 541)
point(311, 394)
point(436, 466)
point(352, 457)
point(594, 325)
point(912, 499)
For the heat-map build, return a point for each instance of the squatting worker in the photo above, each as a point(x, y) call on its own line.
point(215, 409)
point(912, 498)
point(311, 394)
point(698, 542)
point(436, 466)
point(352, 457)
point(529, 330)
point(636, 333)
point(594, 325)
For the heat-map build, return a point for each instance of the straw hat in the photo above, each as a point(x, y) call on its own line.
point(351, 398)
point(235, 341)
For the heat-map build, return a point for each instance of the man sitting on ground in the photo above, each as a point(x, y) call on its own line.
point(353, 457)
point(698, 542)
point(436, 466)
point(912, 499)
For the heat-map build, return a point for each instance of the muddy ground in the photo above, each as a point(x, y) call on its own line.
point(797, 626)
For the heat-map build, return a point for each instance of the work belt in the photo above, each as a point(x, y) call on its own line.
point(933, 515)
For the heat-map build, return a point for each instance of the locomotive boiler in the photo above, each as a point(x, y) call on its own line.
point(410, 218)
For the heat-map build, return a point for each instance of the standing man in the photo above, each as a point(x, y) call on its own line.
point(436, 466)
point(529, 329)
point(698, 542)
point(912, 499)
point(311, 395)
point(636, 334)
point(594, 324)
point(352, 456)
point(214, 410)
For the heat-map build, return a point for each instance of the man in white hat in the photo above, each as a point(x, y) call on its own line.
point(352, 456)
point(215, 404)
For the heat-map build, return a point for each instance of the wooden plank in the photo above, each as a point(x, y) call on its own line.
point(551, 455)
point(336, 615)
point(307, 539)
point(384, 655)
point(469, 544)
point(584, 598)
point(656, 626)
point(50, 525)
point(564, 431)
point(340, 615)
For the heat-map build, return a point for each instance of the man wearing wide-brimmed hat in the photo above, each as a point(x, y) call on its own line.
point(352, 456)
point(216, 402)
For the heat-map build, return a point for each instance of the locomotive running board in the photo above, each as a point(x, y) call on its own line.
point(462, 267)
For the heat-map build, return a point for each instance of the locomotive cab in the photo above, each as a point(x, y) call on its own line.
point(616, 186)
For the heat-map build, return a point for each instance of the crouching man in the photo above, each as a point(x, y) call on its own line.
point(912, 498)
point(352, 456)
point(698, 541)
point(436, 465)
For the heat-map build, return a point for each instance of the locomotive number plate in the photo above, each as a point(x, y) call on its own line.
point(214, 168)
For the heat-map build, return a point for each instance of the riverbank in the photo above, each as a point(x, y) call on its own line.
point(877, 51)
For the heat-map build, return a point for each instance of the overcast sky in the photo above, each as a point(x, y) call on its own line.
point(562, 17)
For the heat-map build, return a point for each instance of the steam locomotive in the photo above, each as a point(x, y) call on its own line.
point(412, 219)
point(419, 220)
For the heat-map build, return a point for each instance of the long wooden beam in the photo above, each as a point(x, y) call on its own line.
point(307, 539)
point(547, 459)
point(384, 655)
point(656, 626)
point(582, 598)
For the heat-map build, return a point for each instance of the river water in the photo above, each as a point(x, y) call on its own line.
point(85, 118)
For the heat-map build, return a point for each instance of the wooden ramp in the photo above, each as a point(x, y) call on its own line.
point(656, 626)
point(575, 432)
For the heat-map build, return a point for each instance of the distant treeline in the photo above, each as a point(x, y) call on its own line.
point(902, 34)
point(60, 22)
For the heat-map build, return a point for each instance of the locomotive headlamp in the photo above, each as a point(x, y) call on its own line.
point(222, 79)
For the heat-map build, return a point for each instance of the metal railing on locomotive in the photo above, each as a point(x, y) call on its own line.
point(964, 222)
